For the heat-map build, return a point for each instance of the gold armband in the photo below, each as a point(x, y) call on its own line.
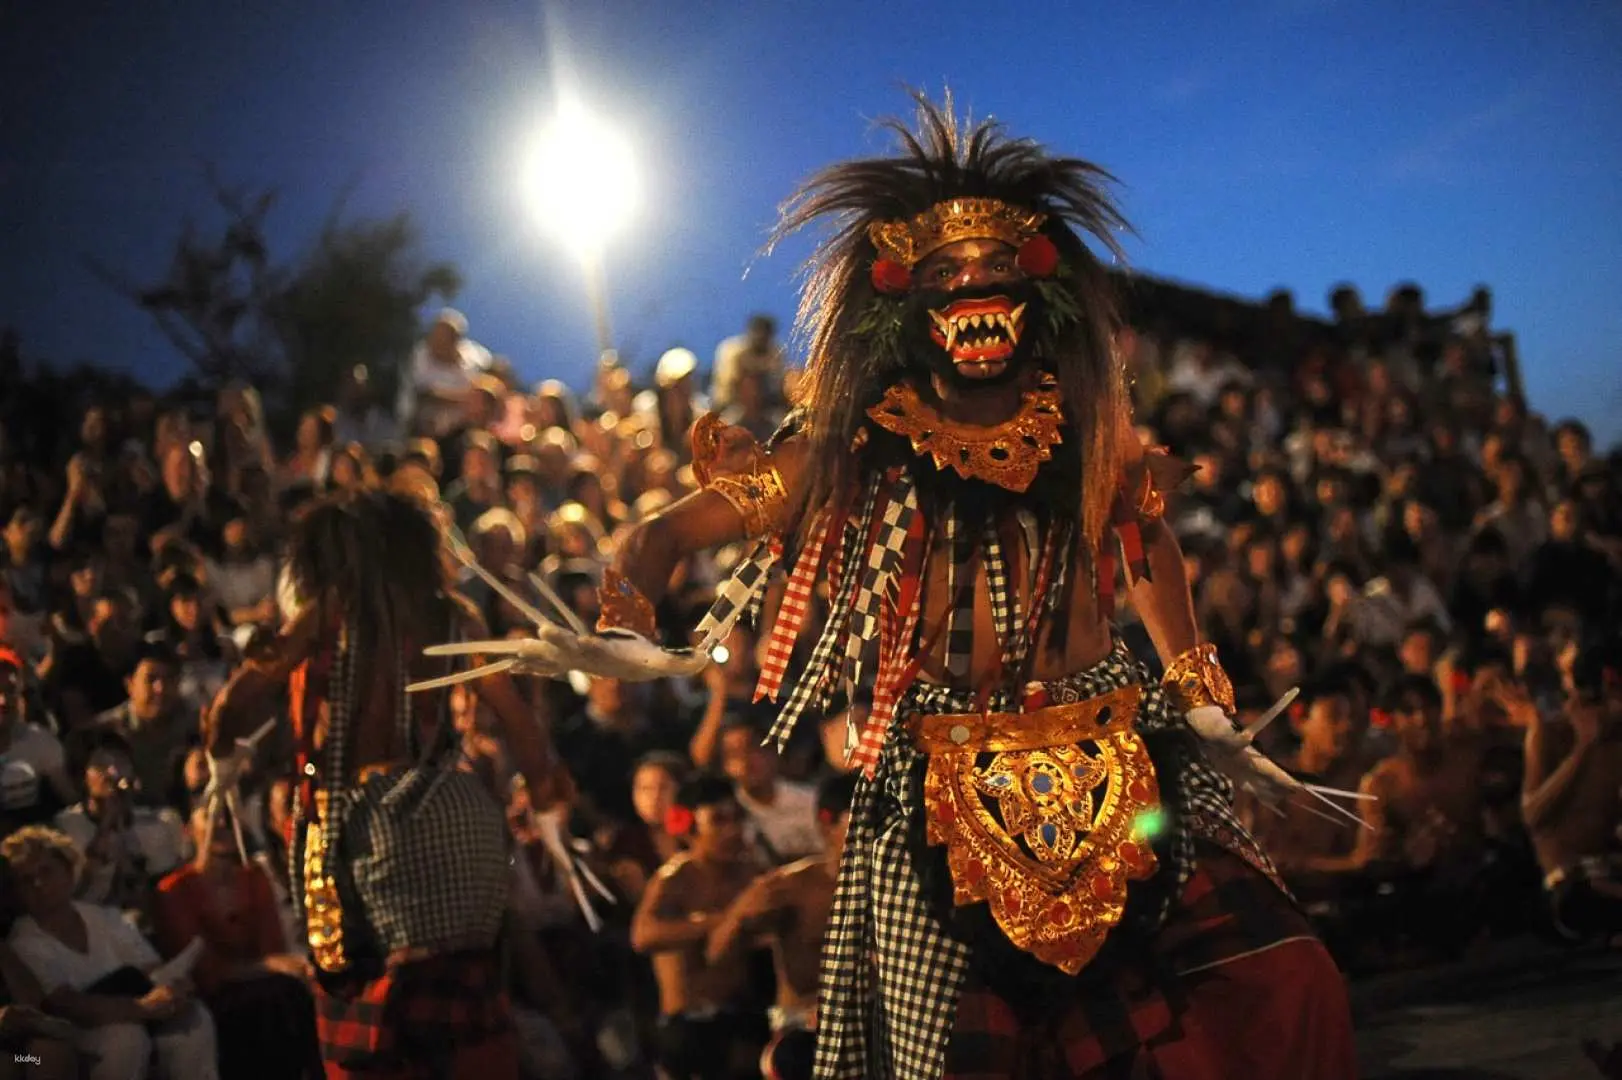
point(1196, 679)
point(623, 607)
point(1145, 486)
point(729, 462)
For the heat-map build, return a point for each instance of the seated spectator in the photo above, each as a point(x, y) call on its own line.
point(154, 721)
point(253, 986)
point(244, 578)
point(26, 569)
point(125, 846)
point(1423, 824)
point(96, 971)
point(34, 781)
point(782, 814)
point(437, 393)
point(359, 420)
point(707, 1026)
point(755, 350)
point(478, 487)
point(32, 1044)
point(637, 850)
point(1570, 570)
point(86, 674)
point(1571, 801)
point(1332, 752)
point(186, 506)
point(787, 908)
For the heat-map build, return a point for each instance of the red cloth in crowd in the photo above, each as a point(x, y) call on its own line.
point(185, 908)
point(1255, 996)
point(443, 1017)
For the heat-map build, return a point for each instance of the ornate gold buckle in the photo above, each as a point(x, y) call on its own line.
point(1045, 817)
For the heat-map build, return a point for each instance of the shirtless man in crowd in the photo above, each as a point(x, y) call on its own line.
point(1571, 800)
point(705, 1030)
point(1424, 824)
point(787, 909)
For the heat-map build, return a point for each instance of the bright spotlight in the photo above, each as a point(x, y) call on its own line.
point(583, 180)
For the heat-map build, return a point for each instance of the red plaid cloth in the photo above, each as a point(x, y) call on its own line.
point(1248, 971)
point(791, 613)
point(442, 1016)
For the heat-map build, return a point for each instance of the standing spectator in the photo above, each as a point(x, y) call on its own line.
point(95, 970)
point(757, 350)
point(186, 506)
point(436, 394)
point(85, 673)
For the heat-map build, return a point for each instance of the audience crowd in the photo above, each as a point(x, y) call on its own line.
point(1375, 520)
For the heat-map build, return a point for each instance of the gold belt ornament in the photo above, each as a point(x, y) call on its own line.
point(1045, 816)
point(323, 911)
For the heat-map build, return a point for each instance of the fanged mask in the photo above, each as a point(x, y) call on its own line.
point(980, 339)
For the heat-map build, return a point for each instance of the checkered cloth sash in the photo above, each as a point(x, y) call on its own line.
point(792, 611)
point(898, 628)
point(891, 973)
point(813, 680)
point(741, 593)
point(960, 587)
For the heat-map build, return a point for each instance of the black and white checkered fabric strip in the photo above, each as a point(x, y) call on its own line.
point(741, 592)
point(893, 1020)
point(883, 561)
point(960, 588)
point(812, 681)
point(1004, 604)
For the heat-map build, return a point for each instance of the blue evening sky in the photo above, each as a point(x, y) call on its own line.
point(1260, 143)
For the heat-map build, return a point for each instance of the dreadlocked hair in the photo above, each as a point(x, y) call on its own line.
point(942, 157)
point(377, 559)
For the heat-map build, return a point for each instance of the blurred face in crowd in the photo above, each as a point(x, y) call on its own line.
point(1418, 724)
point(444, 341)
point(23, 532)
point(759, 334)
point(1294, 545)
point(718, 831)
point(497, 549)
point(653, 793)
point(311, 435)
point(11, 696)
point(186, 610)
point(1284, 662)
point(1269, 495)
point(1564, 521)
point(110, 624)
point(1209, 476)
point(222, 844)
point(1492, 452)
point(745, 762)
point(1417, 653)
point(1260, 558)
point(179, 472)
point(1511, 477)
point(1340, 590)
point(173, 429)
point(1572, 448)
point(93, 431)
point(1233, 404)
point(478, 468)
point(237, 537)
point(152, 689)
point(85, 580)
point(108, 774)
point(44, 883)
point(1342, 528)
point(1329, 727)
point(1418, 520)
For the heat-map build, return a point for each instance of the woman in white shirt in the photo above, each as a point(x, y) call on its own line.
point(72, 947)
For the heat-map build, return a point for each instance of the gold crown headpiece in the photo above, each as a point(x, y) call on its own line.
point(907, 242)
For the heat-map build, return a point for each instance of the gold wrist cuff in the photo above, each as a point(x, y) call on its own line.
point(758, 497)
point(623, 607)
point(1195, 679)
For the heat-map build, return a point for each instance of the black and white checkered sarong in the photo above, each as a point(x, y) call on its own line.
point(891, 973)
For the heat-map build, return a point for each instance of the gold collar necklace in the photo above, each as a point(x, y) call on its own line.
point(1006, 454)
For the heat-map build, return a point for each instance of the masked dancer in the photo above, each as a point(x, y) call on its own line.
point(1044, 876)
point(400, 862)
